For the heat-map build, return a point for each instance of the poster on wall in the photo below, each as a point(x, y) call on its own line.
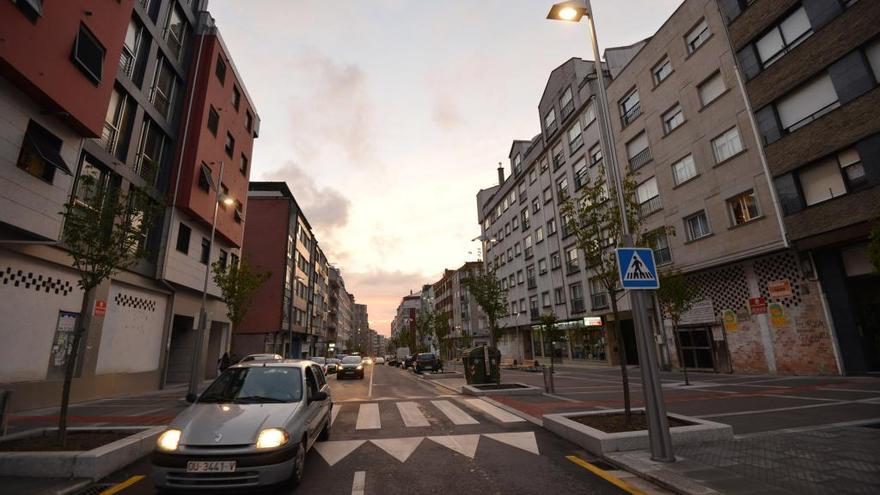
point(61, 344)
point(777, 315)
point(779, 288)
point(728, 317)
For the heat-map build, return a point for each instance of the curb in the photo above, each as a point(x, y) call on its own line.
point(664, 478)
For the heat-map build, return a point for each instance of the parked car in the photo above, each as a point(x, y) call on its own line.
point(261, 357)
point(322, 362)
point(252, 427)
point(332, 365)
point(350, 366)
point(426, 361)
point(408, 361)
point(392, 361)
point(380, 360)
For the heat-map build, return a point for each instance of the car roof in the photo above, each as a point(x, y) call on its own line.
point(294, 363)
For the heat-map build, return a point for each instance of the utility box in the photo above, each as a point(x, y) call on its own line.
point(482, 365)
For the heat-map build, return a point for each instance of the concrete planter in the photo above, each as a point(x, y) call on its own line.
point(93, 464)
point(600, 442)
point(517, 389)
point(441, 376)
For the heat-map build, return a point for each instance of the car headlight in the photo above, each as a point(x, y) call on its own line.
point(168, 440)
point(360, 367)
point(271, 438)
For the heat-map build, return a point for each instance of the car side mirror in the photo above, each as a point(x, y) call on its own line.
point(318, 396)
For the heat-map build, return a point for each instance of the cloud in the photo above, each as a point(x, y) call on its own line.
point(382, 290)
point(446, 114)
point(331, 107)
point(326, 208)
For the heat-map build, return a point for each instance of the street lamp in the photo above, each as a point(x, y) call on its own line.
point(655, 409)
point(197, 367)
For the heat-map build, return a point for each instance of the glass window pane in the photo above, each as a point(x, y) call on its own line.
point(769, 45)
point(795, 25)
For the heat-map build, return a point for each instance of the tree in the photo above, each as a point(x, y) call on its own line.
point(594, 218)
point(424, 328)
point(676, 297)
point(105, 230)
point(551, 335)
point(238, 283)
point(874, 246)
point(491, 297)
point(440, 327)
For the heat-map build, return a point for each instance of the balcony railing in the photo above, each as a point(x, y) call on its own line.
point(109, 138)
point(639, 159)
point(534, 314)
point(531, 283)
point(650, 206)
point(631, 114)
point(599, 301)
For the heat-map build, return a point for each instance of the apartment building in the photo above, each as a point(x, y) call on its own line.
point(811, 71)
point(683, 129)
point(319, 304)
point(340, 315)
point(467, 322)
point(278, 240)
point(403, 325)
point(361, 328)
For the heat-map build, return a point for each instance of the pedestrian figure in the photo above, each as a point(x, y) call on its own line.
point(224, 362)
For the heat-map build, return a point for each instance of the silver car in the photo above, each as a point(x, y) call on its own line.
point(252, 427)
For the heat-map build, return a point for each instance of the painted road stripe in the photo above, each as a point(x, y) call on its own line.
point(605, 475)
point(454, 413)
point(368, 417)
point(359, 483)
point(495, 412)
point(412, 415)
point(334, 413)
point(122, 486)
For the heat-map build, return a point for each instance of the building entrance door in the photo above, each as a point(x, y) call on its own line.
point(865, 291)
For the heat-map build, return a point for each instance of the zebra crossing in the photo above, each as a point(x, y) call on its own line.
point(412, 414)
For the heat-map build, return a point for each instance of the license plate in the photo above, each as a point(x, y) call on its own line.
point(428, 367)
point(210, 466)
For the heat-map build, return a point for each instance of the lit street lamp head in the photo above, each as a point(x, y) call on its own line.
point(571, 11)
point(227, 200)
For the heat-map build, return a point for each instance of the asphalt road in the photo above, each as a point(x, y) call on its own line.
point(394, 433)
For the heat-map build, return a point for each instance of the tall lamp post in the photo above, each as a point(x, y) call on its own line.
point(196, 372)
point(655, 409)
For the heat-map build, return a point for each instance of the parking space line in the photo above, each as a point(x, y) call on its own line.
point(122, 486)
point(359, 483)
point(368, 417)
point(777, 409)
point(411, 414)
point(614, 480)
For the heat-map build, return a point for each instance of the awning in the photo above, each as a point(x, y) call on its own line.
point(47, 151)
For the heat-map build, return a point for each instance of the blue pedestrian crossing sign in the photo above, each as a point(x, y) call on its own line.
point(637, 269)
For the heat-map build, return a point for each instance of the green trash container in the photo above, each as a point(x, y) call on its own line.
point(474, 362)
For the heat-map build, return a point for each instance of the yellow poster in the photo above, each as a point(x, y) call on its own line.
point(728, 317)
point(777, 315)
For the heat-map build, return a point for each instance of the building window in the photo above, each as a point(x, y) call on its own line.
point(164, 87)
point(230, 144)
point(697, 226)
point(243, 167)
point(711, 88)
point(539, 234)
point(807, 103)
point(88, 54)
point(530, 277)
point(248, 121)
point(183, 233)
point(638, 151)
point(223, 260)
point(684, 170)
point(545, 299)
point(598, 294)
point(662, 70)
point(520, 278)
point(550, 121)
point(533, 307)
point(555, 260)
point(92, 192)
point(824, 180)
point(130, 46)
point(533, 176)
point(524, 214)
point(551, 226)
point(727, 145)
point(150, 152)
point(545, 164)
point(783, 37)
point(507, 229)
point(648, 197)
point(575, 137)
point(213, 120)
point(548, 195)
point(590, 113)
point(542, 266)
point(234, 263)
point(236, 97)
point(562, 189)
point(559, 295)
point(176, 30)
point(40, 153)
point(630, 108)
point(660, 245)
point(743, 208)
point(581, 174)
point(872, 52)
point(566, 103)
point(558, 156)
point(517, 249)
point(205, 252)
point(205, 180)
point(576, 291)
point(673, 119)
point(697, 36)
point(571, 260)
point(517, 164)
point(522, 191)
point(595, 154)
point(220, 70)
point(536, 205)
point(527, 244)
point(116, 134)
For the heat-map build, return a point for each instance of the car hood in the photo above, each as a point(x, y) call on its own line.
point(351, 366)
point(231, 424)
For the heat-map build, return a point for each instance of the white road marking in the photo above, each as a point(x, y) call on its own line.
point(522, 440)
point(863, 390)
point(412, 415)
point(359, 483)
point(150, 411)
point(368, 417)
point(399, 448)
point(370, 391)
point(333, 452)
point(465, 445)
point(454, 413)
point(335, 413)
point(777, 409)
point(799, 397)
point(495, 412)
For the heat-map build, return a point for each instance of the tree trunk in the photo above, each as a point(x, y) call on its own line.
point(684, 367)
point(493, 339)
point(84, 316)
point(624, 374)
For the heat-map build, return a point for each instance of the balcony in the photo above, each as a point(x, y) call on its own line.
point(599, 301)
point(534, 314)
point(650, 206)
point(531, 283)
point(632, 114)
point(577, 306)
point(640, 159)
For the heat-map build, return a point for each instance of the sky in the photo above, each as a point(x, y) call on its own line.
point(385, 117)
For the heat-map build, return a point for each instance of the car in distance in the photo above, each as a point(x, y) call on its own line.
point(332, 365)
point(252, 427)
point(380, 360)
point(322, 362)
point(426, 361)
point(261, 357)
point(350, 366)
point(408, 362)
point(392, 361)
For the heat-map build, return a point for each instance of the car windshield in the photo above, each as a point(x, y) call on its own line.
point(426, 357)
point(332, 361)
point(319, 360)
point(256, 385)
point(351, 360)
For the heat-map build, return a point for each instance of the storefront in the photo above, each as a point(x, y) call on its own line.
point(583, 339)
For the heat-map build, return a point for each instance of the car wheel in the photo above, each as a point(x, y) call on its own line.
point(299, 465)
point(325, 433)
